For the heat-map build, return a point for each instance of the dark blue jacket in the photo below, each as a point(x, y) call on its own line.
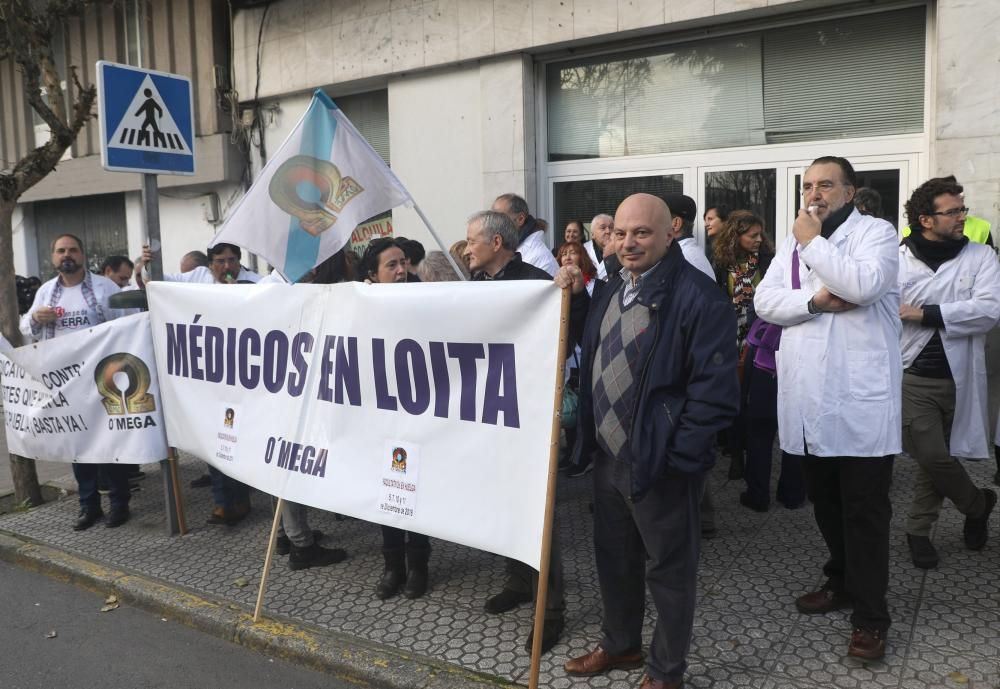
point(688, 388)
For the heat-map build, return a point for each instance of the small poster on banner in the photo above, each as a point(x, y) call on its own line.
point(229, 419)
point(400, 472)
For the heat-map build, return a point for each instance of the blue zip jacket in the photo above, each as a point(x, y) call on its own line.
point(688, 388)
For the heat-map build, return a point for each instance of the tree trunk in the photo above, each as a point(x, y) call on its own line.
point(26, 489)
point(22, 469)
point(9, 318)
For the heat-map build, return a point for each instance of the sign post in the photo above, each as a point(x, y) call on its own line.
point(147, 126)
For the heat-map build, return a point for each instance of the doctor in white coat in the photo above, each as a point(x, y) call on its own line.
point(839, 385)
point(950, 292)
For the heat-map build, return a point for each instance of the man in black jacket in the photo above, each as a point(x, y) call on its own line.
point(491, 253)
point(657, 381)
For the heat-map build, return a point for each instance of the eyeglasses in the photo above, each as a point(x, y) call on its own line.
point(824, 186)
point(952, 212)
point(225, 261)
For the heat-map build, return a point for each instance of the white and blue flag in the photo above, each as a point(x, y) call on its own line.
point(324, 180)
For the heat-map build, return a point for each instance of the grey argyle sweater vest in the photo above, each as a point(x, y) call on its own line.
point(616, 373)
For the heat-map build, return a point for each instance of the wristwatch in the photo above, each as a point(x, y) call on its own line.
point(813, 309)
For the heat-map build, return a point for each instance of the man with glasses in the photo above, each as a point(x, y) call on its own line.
point(223, 268)
point(832, 286)
point(950, 289)
point(231, 497)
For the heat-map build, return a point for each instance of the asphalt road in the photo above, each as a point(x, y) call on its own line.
point(125, 648)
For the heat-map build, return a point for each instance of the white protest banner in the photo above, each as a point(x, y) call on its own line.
point(90, 397)
point(427, 407)
point(324, 180)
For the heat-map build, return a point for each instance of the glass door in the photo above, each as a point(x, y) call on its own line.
point(582, 199)
point(889, 180)
point(752, 189)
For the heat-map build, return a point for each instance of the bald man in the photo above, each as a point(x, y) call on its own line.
point(657, 381)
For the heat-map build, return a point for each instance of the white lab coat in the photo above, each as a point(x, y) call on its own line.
point(598, 261)
point(695, 256)
point(839, 374)
point(203, 275)
point(968, 290)
point(535, 251)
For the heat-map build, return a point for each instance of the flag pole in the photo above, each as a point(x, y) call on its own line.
point(267, 559)
point(550, 495)
point(444, 249)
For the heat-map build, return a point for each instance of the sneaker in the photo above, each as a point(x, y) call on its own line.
point(867, 644)
point(976, 529)
point(922, 551)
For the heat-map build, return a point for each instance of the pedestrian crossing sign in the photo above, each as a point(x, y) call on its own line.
point(147, 120)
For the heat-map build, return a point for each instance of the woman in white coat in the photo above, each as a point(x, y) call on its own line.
point(832, 286)
point(950, 292)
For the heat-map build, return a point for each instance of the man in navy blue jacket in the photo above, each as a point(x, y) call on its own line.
point(657, 381)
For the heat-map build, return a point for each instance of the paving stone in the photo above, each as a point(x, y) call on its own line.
point(746, 634)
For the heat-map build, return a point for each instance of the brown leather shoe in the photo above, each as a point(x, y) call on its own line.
point(650, 683)
point(868, 644)
point(599, 661)
point(823, 601)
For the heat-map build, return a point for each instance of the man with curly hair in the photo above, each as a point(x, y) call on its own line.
point(950, 293)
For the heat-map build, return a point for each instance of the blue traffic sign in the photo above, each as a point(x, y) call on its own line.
point(147, 120)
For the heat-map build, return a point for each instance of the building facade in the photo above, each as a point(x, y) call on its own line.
point(572, 103)
point(577, 103)
point(105, 208)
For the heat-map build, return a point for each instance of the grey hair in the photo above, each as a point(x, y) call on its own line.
point(492, 223)
point(602, 216)
point(436, 268)
point(197, 257)
point(517, 204)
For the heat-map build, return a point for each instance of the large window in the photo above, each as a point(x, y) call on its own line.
point(369, 113)
point(836, 78)
point(583, 199)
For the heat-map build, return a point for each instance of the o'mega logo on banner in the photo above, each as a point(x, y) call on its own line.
point(123, 382)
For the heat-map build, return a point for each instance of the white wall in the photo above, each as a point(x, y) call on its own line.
point(966, 124)
point(436, 147)
point(184, 224)
point(25, 251)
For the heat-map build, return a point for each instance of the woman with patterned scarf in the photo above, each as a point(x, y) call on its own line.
point(742, 253)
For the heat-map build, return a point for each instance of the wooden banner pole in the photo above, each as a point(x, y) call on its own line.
point(178, 498)
point(267, 560)
point(550, 496)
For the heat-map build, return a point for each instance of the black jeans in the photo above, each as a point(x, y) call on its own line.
point(86, 478)
point(850, 497)
point(666, 525)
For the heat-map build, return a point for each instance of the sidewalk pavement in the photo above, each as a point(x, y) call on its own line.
point(58, 474)
point(946, 622)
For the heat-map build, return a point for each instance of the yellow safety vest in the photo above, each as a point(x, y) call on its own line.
point(976, 229)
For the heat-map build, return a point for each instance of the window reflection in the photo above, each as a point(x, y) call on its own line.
point(582, 200)
point(752, 190)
